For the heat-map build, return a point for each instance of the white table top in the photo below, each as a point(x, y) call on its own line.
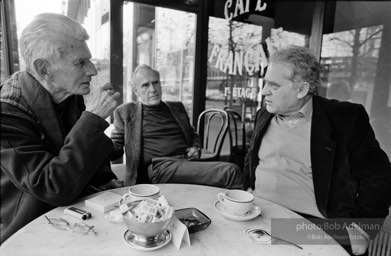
point(222, 237)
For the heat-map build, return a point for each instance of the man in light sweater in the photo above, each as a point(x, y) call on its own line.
point(316, 156)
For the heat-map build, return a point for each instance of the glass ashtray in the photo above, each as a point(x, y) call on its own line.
point(194, 219)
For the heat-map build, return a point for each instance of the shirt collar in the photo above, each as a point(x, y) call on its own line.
point(305, 111)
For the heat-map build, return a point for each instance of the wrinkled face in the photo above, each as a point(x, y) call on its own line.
point(71, 73)
point(147, 87)
point(282, 96)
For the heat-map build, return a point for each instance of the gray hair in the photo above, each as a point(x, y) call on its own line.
point(46, 35)
point(138, 69)
point(305, 66)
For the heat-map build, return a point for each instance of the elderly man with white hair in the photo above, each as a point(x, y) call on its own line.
point(160, 144)
point(53, 145)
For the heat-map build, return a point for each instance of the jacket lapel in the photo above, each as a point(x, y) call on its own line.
point(264, 121)
point(181, 120)
point(322, 154)
point(134, 131)
point(40, 102)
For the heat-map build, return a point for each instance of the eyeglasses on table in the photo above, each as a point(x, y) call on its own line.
point(78, 227)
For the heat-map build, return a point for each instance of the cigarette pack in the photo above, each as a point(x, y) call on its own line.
point(104, 202)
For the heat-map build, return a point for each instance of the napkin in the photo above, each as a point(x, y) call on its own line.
point(179, 232)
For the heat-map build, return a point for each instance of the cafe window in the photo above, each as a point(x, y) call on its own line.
point(351, 39)
point(356, 61)
point(241, 36)
point(164, 39)
point(9, 60)
point(237, 58)
point(85, 12)
point(2, 59)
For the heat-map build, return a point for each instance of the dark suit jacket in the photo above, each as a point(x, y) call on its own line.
point(351, 174)
point(128, 133)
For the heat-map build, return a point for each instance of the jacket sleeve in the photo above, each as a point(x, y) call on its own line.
point(118, 136)
point(371, 168)
point(195, 138)
point(57, 178)
point(103, 175)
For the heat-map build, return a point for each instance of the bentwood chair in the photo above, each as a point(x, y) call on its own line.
point(212, 126)
point(237, 137)
point(381, 244)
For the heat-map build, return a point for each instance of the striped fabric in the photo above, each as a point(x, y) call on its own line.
point(11, 93)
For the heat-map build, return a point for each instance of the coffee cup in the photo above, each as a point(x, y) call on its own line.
point(237, 202)
point(140, 192)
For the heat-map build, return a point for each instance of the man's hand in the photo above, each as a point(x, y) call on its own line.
point(358, 241)
point(111, 184)
point(193, 152)
point(102, 101)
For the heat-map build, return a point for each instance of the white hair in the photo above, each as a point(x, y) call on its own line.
point(46, 35)
point(142, 68)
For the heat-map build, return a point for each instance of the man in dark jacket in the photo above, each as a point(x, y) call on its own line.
point(316, 156)
point(53, 147)
point(161, 145)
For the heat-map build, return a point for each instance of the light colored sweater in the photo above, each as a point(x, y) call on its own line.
point(284, 173)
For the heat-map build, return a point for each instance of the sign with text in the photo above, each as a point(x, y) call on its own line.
point(234, 8)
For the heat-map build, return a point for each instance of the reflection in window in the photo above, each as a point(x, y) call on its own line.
point(175, 49)
point(97, 29)
point(281, 38)
point(349, 59)
point(235, 60)
point(165, 40)
point(2, 59)
point(355, 63)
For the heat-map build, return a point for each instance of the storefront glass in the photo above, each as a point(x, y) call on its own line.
point(164, 39)
point(356, 61)
point(353, 39)
point(2, 61)
point(241, 36)
point(85, 12)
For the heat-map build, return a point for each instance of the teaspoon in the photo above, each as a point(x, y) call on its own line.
point(262, 232)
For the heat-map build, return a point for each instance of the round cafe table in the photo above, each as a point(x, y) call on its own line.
point(222, 237)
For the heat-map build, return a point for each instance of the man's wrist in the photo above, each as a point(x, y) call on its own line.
point(199, 151)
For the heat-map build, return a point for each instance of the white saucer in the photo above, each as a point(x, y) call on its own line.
point(161, 241)
point(254, 212)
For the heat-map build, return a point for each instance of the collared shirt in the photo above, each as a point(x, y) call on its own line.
point(304, 115)
point(284, 173)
